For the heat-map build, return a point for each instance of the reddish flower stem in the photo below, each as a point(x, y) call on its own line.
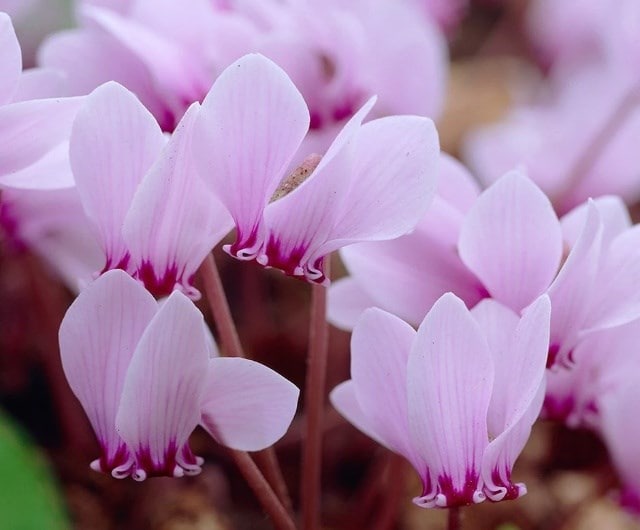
point(393, 492)
point(596, 147)
point(280, 517)
point(219, 305)
point(232, 347)
point(454, 522)
point(314, 406)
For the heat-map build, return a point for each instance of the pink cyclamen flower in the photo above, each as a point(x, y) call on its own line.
point(142, 372)
point(52, 224)
point(405, 276)
point(460, 395)
point(619, 429)
point(152, 214)
point(562, 148)
point(338, 54)
point(374, 182)
point(508, 244)
point(34, 126)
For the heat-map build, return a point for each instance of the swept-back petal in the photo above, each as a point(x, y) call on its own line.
point(380, 347)
point(29, 131)
point(450, 378)
point(10, 59)
point(177, 75)
point(572, 292)
point(502, 452)
point(245, 139)
point(511, 240)
point(114, 142)
point(347, 300)
point(393, 181)
point(613, 212)
point(301, 221)
point(518, 393)
point(344, 399)
point(456, 185)
point(90, 58)
point(98, 336)
point(247, 406)
point(163, 390)
point(617, 298)
point(621, 430)
point(174, 220)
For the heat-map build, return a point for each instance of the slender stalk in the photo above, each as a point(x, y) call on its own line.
point(392, 493)
point(596, 147)
point(454, 522)
point(232, 347)
point(314, 407)
point(268, 499)
point(219, 305)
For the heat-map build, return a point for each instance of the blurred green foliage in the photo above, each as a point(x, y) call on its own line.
point(29, 498)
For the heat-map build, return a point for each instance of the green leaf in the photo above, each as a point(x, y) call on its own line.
point(29, 498)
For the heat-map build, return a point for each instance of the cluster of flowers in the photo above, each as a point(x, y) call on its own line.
point(148, 134)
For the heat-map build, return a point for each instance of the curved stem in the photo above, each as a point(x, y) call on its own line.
point(232, 347)
point(263, 491)
point(314, 406)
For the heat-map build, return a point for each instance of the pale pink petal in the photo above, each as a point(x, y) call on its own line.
point(450, 379)
point(98, 336)
point(344, 400)
point(163, 389)
point(52, 224)
point(174, 221)
point(456, 185)
point(518, 393)
point(380, 347)
point(511, 240)
point(393, 182)
point(246, 405)
point(50, 172)
point(10, 59)
point(89, 58)
point(424, 265)
point(114, 142)
point(502, 452)
point(409, 67)
point(298, 223)
point(31, 130)
point(178, 76)
point(613, 212)
point(617, 297)
point(40, 83)
point(347, 300)
point(572, 292)
point(621, 432)
point(245, 140)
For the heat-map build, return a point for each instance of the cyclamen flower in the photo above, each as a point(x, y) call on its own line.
point(425, 262)
point(338, 54)
point(52, 224)
point(457, 398)
point(34, 125)
point(142, 372)
point(551, 138)
point(513, 243)
point(374, 182)
point(153, 216)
